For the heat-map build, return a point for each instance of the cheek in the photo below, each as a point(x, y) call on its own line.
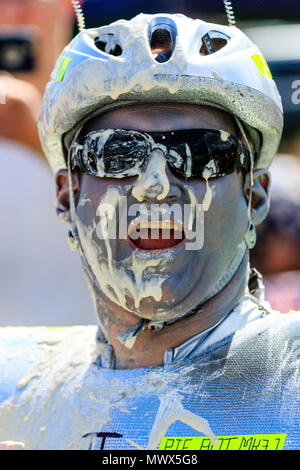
point(230, 193)
point(107, 191)
point(97, 200)
point(227, 192)
point(232, 208)
point(226, 219)
point(92, 190)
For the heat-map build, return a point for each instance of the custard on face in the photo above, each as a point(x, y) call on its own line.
point(161, 281)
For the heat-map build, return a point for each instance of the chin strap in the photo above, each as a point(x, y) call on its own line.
point(73, 238)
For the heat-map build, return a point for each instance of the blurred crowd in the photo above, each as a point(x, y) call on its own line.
point(40, 280)
point(277, 251)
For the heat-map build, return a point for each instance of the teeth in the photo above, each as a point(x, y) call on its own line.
point(138, 226)
point(164, 224)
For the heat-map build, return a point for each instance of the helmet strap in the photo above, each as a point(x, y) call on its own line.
point(73, 238)
point(250, 236)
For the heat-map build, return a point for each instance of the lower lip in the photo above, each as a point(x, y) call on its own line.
point(148, 244)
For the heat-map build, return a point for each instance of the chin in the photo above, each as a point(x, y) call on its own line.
point(170, 306)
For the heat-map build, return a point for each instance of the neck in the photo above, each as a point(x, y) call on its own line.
point(150, 346)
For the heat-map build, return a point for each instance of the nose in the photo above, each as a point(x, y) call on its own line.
point(153, 183)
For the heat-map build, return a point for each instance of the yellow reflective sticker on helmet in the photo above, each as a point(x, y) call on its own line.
point(262, 65)
point(237, 442)
point(61, 68)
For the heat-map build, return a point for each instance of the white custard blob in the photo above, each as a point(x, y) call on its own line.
point(136, 276)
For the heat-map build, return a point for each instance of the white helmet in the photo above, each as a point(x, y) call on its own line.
point(115, 65)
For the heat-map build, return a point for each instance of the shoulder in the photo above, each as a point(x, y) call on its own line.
point(25, 352)
point(271, 342)
point(285, 332)
point(16, 337)
point(287, 323)
point(260, 316)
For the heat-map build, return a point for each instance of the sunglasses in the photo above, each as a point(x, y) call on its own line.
point(199, 153)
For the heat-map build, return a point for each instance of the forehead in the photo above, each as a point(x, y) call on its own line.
point(163, 117)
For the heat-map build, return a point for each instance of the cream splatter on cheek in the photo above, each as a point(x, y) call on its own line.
point(139, 276)
point(192, 207)
point(194, 204)
point(209, 170)
point(208, 193)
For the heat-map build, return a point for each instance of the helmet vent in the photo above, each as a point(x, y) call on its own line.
point(108, 44)
point(161, 45)
point(212, 42)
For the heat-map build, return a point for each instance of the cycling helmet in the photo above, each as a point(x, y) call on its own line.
point(117, 65)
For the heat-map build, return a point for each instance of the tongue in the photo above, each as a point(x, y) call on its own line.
point(160, 242)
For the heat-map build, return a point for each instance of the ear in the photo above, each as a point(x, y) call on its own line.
point(260, 200)
point(63, 194)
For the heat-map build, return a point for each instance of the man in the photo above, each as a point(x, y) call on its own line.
point(160, 131)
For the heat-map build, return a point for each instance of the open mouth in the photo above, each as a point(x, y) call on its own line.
point(155, 235)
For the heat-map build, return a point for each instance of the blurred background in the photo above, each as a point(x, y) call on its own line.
point(41, 281)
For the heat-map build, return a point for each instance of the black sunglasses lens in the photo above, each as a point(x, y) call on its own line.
point(123, 152)
point(214, 149)
point(88, 158)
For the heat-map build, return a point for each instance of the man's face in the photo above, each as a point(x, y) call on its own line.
point(159, 279)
